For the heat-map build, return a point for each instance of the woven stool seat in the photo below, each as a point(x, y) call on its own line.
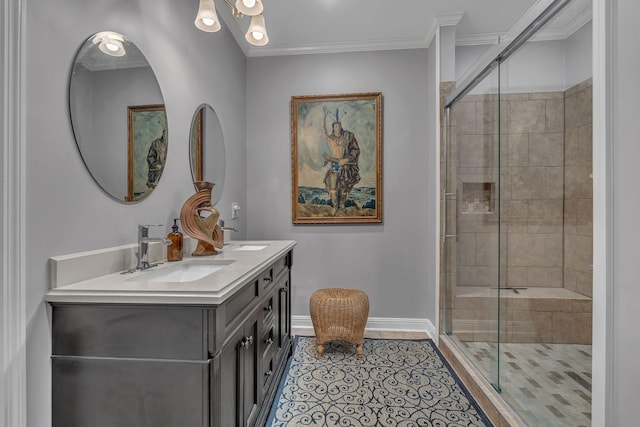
point(339, 314)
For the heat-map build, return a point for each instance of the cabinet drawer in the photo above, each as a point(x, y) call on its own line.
point(130, 331)
point(243, 300)
point(279, 266)
point(268, 374)
point(129, 392)
point(268, 308)
point(268, 344)
point(269, 276)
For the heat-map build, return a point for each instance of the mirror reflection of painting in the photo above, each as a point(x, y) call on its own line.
point(156, 158)
point(337, 154)
point(148, 143)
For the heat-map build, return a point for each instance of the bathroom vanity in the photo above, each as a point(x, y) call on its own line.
point(200, 342)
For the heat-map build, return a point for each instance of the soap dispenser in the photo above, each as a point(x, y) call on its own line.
point(174, 250)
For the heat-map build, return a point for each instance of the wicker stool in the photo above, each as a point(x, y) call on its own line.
point(339, 314)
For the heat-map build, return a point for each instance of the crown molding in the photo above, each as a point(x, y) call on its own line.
point(339, 47)
point(478, 39)
point(442, 21)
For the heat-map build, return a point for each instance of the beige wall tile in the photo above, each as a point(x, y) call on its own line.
point(487, 117)
point(545, 208)
point(527, 116)
point(546, 149)
point(584, 283)
point(475, 151)
point(555, 114)
point(545, 277)
point(486, 250)
point(554, 251)
point(554, 182)
point(466, 246)
point(477, 276)
point(527, 250)
point(516, 149)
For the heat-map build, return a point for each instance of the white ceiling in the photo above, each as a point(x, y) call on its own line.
point(323, 26)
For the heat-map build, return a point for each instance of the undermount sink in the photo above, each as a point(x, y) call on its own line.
point(250, 247)
point(183, 272)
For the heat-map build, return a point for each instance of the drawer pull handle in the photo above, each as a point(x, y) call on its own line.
point(268, 373)
point(268, 309)
point(267, 279)
point(268, 341)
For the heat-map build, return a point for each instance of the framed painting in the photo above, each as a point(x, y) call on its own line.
point(336, 158)
point(147, 149)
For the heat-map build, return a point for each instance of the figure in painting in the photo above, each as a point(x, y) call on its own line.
point(156, 158)
point(343, 172)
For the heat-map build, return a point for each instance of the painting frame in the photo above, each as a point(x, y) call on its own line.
point(197, 165)
point(336, 173)
point(146, 127)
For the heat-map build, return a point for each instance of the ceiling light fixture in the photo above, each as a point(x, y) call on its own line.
point(110, 43)
point(207, 18)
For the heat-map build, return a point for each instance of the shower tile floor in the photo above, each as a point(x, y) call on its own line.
point(547, 384)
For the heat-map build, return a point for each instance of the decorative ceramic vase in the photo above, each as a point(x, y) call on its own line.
point(203, 228)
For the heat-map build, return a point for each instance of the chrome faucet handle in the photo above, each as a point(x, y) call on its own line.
point(223, 227)
point(146, 226)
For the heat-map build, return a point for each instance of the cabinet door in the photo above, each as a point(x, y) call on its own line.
point(250, 360)
point(239, 376)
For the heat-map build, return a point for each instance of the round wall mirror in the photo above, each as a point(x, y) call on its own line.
point(207, 150)
point(118, 116)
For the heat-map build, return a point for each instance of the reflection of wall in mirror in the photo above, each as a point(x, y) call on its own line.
point(106, 150)
point(213, 152)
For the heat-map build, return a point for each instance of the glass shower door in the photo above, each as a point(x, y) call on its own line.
point(472, 243)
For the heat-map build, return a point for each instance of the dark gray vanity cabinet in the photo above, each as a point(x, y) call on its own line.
point(173, 365)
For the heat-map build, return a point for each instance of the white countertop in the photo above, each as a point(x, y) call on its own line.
point(133, 288)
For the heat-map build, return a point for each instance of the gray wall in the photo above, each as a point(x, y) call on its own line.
point(626, 205)
point(394, 261)
point(66, 211)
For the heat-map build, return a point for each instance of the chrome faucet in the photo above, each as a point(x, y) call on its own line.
point(143, 245)
point(221, 224)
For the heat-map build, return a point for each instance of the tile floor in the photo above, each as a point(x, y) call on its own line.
point(547, 384)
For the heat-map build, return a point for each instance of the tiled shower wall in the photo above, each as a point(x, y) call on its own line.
point(578, 203)
point(545, 189)
point(531, 152)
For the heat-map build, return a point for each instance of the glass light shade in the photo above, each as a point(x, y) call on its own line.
point(257, 32)
point(110, 43)
point(207, 18)
point(250, 7)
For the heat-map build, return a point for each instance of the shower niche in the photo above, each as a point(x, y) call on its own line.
point(478, 197)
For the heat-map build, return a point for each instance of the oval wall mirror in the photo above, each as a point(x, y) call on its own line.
point(206, 150)
point(118, 116)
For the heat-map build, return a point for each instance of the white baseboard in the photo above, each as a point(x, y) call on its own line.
point(379, 324)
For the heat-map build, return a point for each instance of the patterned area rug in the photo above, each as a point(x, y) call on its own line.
point(398, 383)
